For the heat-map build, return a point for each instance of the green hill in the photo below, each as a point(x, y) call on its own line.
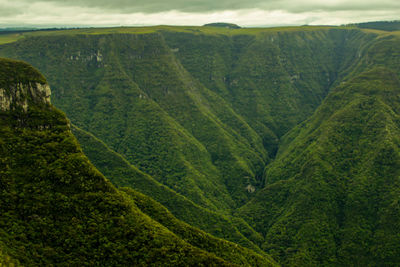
point(223, 25)
point(201, 113)
point(136, 97)
point(282, 140)
point(58, 209)
point(123, 174)
point(332, 194)
point(380, 25)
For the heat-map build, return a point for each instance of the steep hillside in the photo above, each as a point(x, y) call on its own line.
point(131, 92)
point(57, 209)
point(123, 174)
point(228, 125)
point(197, 238)
point(201, 113)
point(275, 79)
point(332, 195)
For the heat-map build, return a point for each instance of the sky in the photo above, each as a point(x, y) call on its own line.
point(246, 13)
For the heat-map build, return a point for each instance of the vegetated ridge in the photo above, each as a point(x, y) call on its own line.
point(223, 25)
point(203, 111)
point(58, 209)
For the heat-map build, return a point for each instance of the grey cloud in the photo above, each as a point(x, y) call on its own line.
point(295, 6)
point(9, 11)
point(46, 13)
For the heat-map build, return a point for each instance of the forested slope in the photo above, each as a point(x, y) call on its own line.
point(56, 208)
point(123, 174)
point(294, 130)
point(201, 113)
point(332, 195)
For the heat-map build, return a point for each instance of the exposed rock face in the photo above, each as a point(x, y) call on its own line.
point(21, 94)
point(21, 85)
point(5, 101)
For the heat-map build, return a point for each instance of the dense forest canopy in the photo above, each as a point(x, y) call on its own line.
point(225, 145)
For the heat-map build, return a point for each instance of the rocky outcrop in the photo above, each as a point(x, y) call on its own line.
point(21, 94)
point(21, 85)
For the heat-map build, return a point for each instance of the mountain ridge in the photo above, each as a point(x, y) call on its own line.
point(122, 174)
point(58, 209)
point(249, 124)
point(323, 172)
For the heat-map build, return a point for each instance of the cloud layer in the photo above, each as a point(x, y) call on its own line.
point(193, 12)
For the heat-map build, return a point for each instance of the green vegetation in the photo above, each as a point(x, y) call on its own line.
point(192, 110)
point(13, 72)
point(8, 38)
point(136, 97)
point(6, 260)
point(380, 25)
point(332, 194)
point(274, 80)
point(123, 174)
point(195, 237)
point(282, 139)
point(222, 25)
point(58, 209)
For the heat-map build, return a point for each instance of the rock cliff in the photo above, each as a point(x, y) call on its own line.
point(21, 85)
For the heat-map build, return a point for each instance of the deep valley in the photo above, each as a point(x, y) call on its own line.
point(246, 146)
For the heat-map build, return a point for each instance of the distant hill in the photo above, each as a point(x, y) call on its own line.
point(380, 25)
point(17, 29)
point(223, 25)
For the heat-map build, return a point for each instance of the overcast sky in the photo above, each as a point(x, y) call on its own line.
point(45, 13)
